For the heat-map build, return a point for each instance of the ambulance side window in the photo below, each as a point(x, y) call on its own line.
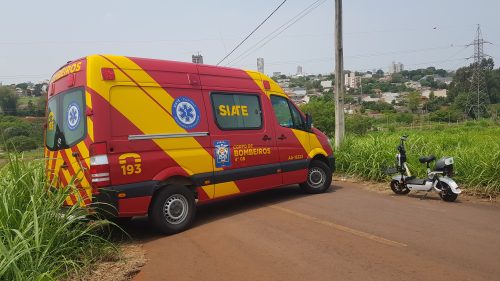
point(282, 111)
point(288, 116)
point(237, 111)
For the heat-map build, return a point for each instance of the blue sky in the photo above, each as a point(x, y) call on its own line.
point(36, 37)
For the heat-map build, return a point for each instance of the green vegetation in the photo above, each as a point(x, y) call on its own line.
point(37, 240)
point(21, 134)
point(13, 104)
point(475, 147)
point(322, 110)
point(459, 88)
point(8, 100)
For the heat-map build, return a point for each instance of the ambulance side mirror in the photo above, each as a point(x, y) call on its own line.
point(309, 121)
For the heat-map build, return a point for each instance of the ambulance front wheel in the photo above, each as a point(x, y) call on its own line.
point(319, 178)
point(173, 209)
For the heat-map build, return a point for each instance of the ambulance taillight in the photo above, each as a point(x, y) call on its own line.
point(99, 165)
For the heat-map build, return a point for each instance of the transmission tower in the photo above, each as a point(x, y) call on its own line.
point(477, 97)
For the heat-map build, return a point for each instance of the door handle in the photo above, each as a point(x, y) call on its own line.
point(266, 138)
point(282, 137)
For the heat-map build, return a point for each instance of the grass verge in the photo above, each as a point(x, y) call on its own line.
point(474, 146)
point(37, 240)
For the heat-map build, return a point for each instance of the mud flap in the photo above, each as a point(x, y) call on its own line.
point(452, 184)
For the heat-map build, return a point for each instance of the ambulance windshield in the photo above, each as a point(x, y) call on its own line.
point(65, 119)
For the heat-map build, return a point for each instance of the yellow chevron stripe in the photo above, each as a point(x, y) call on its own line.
point(225, 188)
point(316, 147)
point(67, 177)
point(82, 147)
point(209, 190)
point(88, 99)
point(79, 173)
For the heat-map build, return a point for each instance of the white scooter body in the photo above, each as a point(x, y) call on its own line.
point(434, 177)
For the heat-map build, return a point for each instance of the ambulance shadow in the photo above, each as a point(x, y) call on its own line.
point(245, 203)
point(431, 196)
point(139, 229)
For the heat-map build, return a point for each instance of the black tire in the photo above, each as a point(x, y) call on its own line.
point(319, 178)
point(399, 188)
point(446, 194)
point(173, 209)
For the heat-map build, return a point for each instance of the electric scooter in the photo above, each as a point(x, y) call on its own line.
point(438, 179)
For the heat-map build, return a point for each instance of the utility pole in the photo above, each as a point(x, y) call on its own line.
point(476, 99)
point(339, 76)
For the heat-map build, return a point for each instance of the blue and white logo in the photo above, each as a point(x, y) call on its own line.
point(73, 115)
point(222, 154)
point(186, 112)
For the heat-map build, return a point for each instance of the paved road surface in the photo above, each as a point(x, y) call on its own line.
point(348, 233)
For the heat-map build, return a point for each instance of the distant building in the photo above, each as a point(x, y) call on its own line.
point(260, 65)
point(368, 99)
point(413, 84)
point(197, 59)
point(446, 80)
point(437, 93)
point(389, 97)
point(327, 85)
point(396, 67)
point(299, 70)
point(276, 74)
point(351, 80)
point(299, 91)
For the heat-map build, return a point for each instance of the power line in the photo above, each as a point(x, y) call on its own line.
point(253, 31)
point(379, 54)
point(277, 31)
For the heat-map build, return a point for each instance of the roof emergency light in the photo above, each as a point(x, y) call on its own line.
point(108, 74)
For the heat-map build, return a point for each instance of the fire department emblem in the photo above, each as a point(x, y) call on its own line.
point(222, 154)
point(186, 112)
point(73, 116)
point(51, 121)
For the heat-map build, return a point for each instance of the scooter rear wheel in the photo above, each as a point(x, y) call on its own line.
point(399, 188)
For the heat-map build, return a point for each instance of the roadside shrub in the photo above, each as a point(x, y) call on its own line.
point(445, 116)
point(358, 124)
point(15, 131)
point(20, 143)
point(405, 118)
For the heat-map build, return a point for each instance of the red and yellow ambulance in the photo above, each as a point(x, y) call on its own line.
point(151, 137)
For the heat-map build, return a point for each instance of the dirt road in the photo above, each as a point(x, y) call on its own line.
point(348, 233)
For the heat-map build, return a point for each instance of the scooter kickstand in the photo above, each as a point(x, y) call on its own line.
point(424, 196)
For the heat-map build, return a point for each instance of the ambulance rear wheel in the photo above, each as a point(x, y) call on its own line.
point(319, 178)
point(173, 209)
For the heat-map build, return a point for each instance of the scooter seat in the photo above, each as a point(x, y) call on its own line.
point(427, 159)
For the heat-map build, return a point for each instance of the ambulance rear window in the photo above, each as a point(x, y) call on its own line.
point(237, 111)
point(65, 119)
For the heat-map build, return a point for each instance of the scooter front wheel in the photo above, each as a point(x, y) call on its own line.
point(399, 188)
point(446, 194)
